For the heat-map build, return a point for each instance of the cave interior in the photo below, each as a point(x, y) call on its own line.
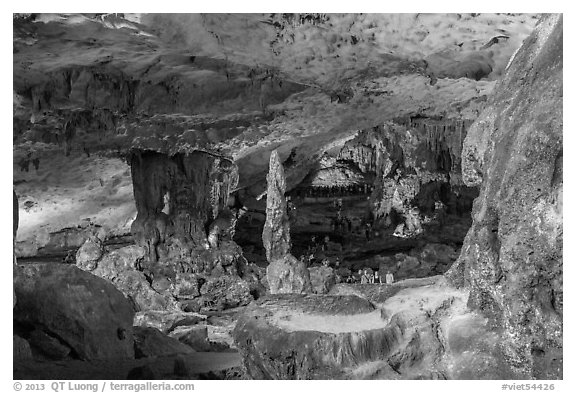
point(287, 196)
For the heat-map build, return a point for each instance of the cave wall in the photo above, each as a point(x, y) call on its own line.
point(512, 255)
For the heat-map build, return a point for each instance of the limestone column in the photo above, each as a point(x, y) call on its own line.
point(285, 273)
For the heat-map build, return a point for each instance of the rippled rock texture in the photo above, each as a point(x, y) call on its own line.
point(412, 331)
point(512, 256)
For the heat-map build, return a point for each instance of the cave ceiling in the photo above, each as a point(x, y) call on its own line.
point(242, 85)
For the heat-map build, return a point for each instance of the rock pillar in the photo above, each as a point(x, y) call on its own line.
point(177, 198)
point(285, 273)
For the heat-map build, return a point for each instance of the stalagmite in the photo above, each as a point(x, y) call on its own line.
point(286, 274)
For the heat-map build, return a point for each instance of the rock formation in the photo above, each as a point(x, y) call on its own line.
point(140, 146)
point(322, 278)
point(150, 342)
point(62, 308)
point(15, 219)
point(346, 337)
point(285, 273)
point(192, 188)
point(512, 256)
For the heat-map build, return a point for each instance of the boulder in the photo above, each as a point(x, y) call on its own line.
point(187, 286)
point(220, 293)
point(137, 288)
point(119, 267)
point(163, 285)
point(191, 305)
point(89, 254)
point(151, 342)
point(323, 279)
point(226, 259)
point(288, 275)
point(85, 312)
point(125, 258)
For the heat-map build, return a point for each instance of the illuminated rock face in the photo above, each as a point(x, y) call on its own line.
point(285, 273)
point(512, 256)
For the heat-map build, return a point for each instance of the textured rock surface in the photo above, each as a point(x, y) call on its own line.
point(210, 278)
point(276, 234)
point(15, 219)
point(416, 329)
point(47, 346)
point(167, 321)
point(512, 256)
point(84, 312)
point(195, 336)
point(322, 278)
point(20, 348)
point(288, 275)
point(219, 293)
point(89, 253)
point(120, 268)
point(151, 342)
point(285, 273)
point(345, 337)
point(194, 189)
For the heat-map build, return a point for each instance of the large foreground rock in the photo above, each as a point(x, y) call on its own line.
point(512, 255)
point(423, 331)
point(80, 310)
point(331, 337)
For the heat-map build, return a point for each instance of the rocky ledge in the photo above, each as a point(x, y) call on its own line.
point(423, 331)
